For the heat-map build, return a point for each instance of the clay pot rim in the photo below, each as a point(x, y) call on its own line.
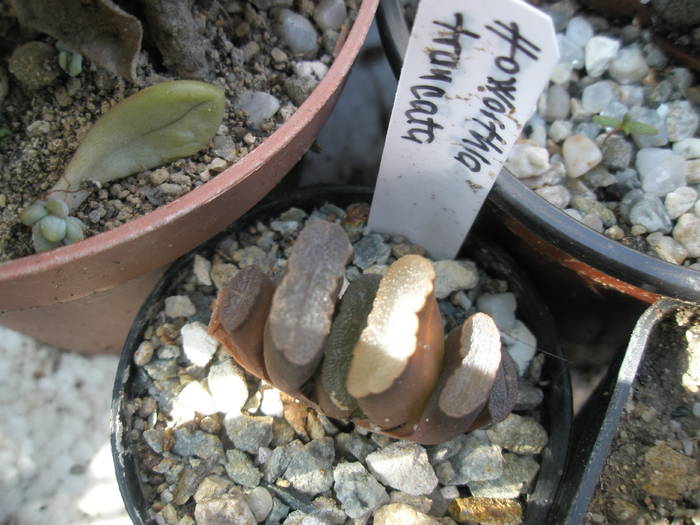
point(246, 167)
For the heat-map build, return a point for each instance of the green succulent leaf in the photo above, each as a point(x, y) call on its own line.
point(159, 124)
point(34, 213)
point(639, 128)
point(4, 132)
point(606, 122)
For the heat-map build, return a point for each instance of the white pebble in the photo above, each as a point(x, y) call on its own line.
point(687, 232)
point(501, 307)
point(600, 50)
point(557, 195)
point(527, 160)
point(667, 248)
point(680, 201)
point(197, 344)
point(629, 65)
point(581, 154)
point(688, 148)
point(521, 344)
point(560, 129)
point(193, 398)
point(201, 269)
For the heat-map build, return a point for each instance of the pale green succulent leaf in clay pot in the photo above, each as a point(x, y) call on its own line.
point(157, 125)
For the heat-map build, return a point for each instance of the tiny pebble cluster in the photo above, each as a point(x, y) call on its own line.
point(216, 445)
point(639, 188)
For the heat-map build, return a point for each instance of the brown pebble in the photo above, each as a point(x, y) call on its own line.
point(487, 511)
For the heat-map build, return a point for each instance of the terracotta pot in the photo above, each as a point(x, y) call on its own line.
point(84, 296)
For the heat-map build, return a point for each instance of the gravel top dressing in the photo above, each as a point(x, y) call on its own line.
point(212, 442)
point(613, 141)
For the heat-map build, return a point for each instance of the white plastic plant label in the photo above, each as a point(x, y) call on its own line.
point(471, 78)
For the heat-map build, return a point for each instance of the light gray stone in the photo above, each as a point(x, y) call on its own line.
point(371, 250)
point(240, 469)
point(358, 492)
point(310, 470)
point(650, 212)
point(179, 306)
point(298, 33)
point(187, 443)
point(260, 503)
point(258, 105)
point(651, 118)
point(518, 434)
point(229, 510)
point(330, 14)
point(451, 275)
point(579, 31)
point(354, 446)
point(681, 120)
point(661, 171)
point(667, 248)
point(556, 195)
point(249, 433)
point(518, 474)
point(405, 467)
point(558, 103)
point(477, 460)
point(402, 514)
point(629, 65)
point(598, 96)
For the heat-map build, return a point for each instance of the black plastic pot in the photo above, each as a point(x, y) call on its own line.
point(557, 415)
point(541, 227)
point(597, 423)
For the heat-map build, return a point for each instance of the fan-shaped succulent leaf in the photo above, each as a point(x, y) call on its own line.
point(303, 304)
point(398, 357)
point(503, 396)
point(331, 391)
point(472, 361)
point(156, 125)
point(239, 315)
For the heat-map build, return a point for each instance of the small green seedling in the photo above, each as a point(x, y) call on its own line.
point(68, 60)
point(626, 125)
point(4, 132)
point(157, 125)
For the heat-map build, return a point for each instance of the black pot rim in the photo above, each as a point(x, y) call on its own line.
point(549, 222)
point(532, 309)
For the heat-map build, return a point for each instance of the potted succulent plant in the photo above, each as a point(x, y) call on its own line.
point(282, 352)
point(83, 295)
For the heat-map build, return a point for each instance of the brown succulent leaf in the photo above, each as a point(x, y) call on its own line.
point(472, 363)
point(239, 316)
point(354, 307)
point(177, 35)
point(304, 303)
point(398, 357)
point(503, 396)
point(99, 30)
